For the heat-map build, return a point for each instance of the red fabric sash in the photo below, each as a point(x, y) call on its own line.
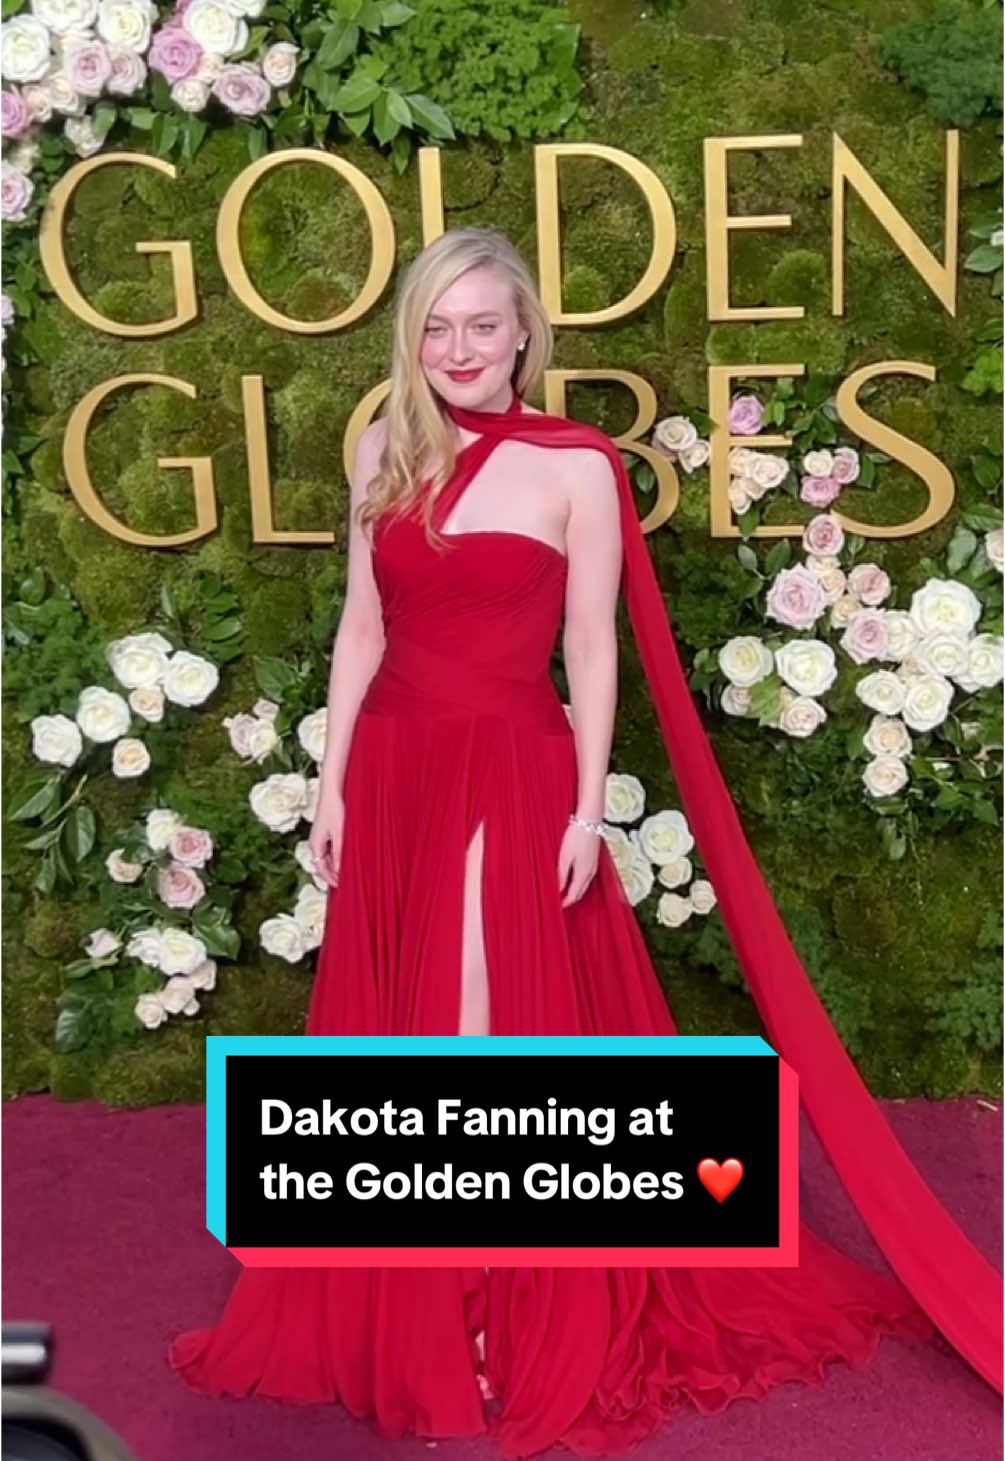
point(956, 1286)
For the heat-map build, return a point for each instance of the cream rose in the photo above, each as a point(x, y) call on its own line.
point(80, 133)
point(129, 71)
point(984, 663)
point(901, 633)
point(739, 498)
point(161, 823)
point(181, 952)
point(941, 653)
point(130, 757)
point(126, 23)
point(945, 604)
point(102, 714)
point(674, 433)
point(204, 977)
point(843, 610)
point(927, 699)
point(735, 700)
point(139, 660)
point(665, 836)
point(309, 914)
point(216, 28)
point(147, 946)
point(311, 733)
point(887, 736)
point(807, 666)
point(676, 874)
point(702, 896)
point(818, 463)
point(189, 679)
point(305, 859)
point(672, 910)
point(624, 798)
point(280, 800)
point(745, 660)
point(279, 64)
point(767, 470)
point(802, 717)
point(66, 17)
point(177, 994)
point(121, 871)
point(994, 547)
point(693, 457)
point(283, 937)
point(884, 775)
point(24, 49)
point(869, 583)
point(102, 942)
point(149, 1011)
point(56, 739)
point(148, 703)
point(882, 691)
point(191, 94)
point(634, 869)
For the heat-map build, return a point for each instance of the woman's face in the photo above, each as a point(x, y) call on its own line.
point(470, 341)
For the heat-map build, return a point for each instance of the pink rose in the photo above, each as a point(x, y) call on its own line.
point(129, 71)
point(242, 89)
point(16, 191)
point(796, 598)
point(179, 887)
point(846, 465)
point(87, 66)
point(866, 636)
point(823, 536)
point(174, 53)
point(819, 491)
point(15, 118)
point(869, 583)
point(191, 846)
point(745, 416)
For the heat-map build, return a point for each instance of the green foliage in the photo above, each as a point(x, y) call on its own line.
point(953, 56)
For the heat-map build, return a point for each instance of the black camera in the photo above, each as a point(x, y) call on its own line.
point(40, 1424)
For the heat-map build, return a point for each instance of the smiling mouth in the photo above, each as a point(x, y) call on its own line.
point(464, 374)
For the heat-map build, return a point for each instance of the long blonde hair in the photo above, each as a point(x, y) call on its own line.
point(419, 433)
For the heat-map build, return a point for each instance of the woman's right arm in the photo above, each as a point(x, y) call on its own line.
point(356, 653)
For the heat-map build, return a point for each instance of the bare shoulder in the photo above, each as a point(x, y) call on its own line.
point(588, 478)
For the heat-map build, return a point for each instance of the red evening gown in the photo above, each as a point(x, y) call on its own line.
point(462, 726)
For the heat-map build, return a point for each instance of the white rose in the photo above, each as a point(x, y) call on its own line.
point(148, 703)
point(56, 739)
point(676, 874)
point(311, 734)
point(189, 679)
point(940, 653)
point(665, 836)
point(926, 701)
point(843, 610)
point(265, 709)
point(126, 23)
point(767, 470)
point(818, 463)
point(160, 825)
point(624, 798)
point(39, 104)
point(633, 868)
point(702, 895)
point(101, 943)
point(63, 95)
point(833, 581)
point(129, 71)
point(146, 945)
point(279, 64)
point(945, 604)
point(121, 871)
point(311, 801)
point(693, 457)
point(24, 49)
point(283, 937)
point(807, 666)
point(901, 633)
point(305, 859)
point(802, 717)
point(130, 757)
point(65, 16)
point(741, 460)
point(745, 660)
point(750, 486)
point(191, 94)
point(309, 914)
point(215, 28)
point(250, 9)
point(735, 700)
point(208, 69)
point(102, 714)
point(250, 737)
point(884, 775)
point(887, 736)
point(984, 663)
point(204, 977)
point(149, 1011)
point(280, 800)
point(672, 910)
point(739, 498)
point(181, 952)
point(674, 433)
point(176, 994)
point(883, 691)
point(994, 547)
point(138, 660)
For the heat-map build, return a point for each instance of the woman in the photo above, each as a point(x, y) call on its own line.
point(470, 892)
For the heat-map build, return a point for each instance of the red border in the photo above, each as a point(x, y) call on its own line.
point(785, 1255)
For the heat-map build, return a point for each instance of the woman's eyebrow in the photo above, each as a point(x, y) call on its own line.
point(482, 314)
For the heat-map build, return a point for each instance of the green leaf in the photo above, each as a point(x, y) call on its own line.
point(748, 558)
point(74, 1025)
point(983, 260)
point(357, 124)
point(103, 118)
point(355, 94)
point(340, 41)
point(45, 878)
point(398, 108)
point(258, 142)
point(778, 557)
point(430, 116)
point(38, 802)
point(142, 118)
point(384, 125)
point(395, 13)
point(962, 547)
point(273, 677)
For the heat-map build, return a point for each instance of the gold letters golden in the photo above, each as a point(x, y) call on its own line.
point(847, 172)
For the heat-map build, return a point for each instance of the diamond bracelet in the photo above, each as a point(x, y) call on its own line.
point(597, 828)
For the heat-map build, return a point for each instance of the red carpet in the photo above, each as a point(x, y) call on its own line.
point(104, 1238)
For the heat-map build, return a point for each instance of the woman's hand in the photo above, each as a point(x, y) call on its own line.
point(325, 840)
point(577, 862)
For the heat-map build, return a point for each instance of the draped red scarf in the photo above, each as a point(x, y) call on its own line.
point(956, 1286)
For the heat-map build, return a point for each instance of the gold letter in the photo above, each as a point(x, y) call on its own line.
point(50, 248)
point(668, 493)
point(720, 444)
point(75, 466)
point(256, 441)
point(941, 281)
point(546, 155)
point(228, 244)
point(718, 224)
point(934, 474)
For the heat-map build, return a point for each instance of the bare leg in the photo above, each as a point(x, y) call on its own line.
point(474, 972)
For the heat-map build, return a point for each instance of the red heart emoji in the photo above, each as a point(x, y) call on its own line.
point(720, 1181)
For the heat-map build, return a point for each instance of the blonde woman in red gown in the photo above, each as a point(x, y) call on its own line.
point(471, 893)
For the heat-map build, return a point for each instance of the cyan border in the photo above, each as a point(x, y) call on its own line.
point(219, 1047)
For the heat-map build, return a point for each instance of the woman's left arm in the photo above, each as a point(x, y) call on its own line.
point(590, 650)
